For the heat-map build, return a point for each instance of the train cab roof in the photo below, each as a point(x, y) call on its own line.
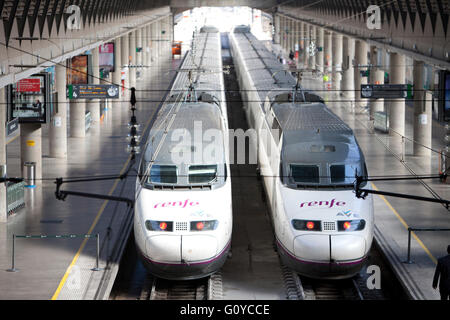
point(241, 29)
point(208, 29)
point(191, 119)
point(314, 134)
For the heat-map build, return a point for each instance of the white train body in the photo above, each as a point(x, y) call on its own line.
point(308, 159)
point(183, 208)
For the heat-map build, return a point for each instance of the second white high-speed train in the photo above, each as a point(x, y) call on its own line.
point(183, 210)
point(309, 159)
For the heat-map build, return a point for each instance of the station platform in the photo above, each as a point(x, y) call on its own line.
point(61, 268)
point(393, 216)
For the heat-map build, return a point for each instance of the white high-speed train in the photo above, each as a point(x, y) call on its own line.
point(308, 158)
point(183, 208)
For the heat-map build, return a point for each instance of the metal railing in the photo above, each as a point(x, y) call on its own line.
point(15, 196)
point(67, 236)
point(408, 260)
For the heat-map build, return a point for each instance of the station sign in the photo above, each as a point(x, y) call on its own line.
point(93, 91)
point(386, 91)
point(12, 126)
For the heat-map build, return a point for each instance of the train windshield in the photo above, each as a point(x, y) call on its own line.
point(163, 174)
point(323, 175)
point(344, 173)
point(305, 173)
point(202, 174)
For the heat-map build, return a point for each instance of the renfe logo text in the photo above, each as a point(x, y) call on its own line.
point(172, 204)
point(328, 204)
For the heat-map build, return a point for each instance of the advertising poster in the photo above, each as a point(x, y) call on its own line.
point(106, 56)
point(446, 95)
point(78, 73)
point(28, 98)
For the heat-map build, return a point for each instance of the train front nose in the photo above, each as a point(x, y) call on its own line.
point(182, 257)
point(337, 256)
point(181, 248)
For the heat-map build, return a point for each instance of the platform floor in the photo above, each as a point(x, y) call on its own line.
point(393, 216)
point(61, 268)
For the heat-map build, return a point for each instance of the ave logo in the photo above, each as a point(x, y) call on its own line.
point(374, 17)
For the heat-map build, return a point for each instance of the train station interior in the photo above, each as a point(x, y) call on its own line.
point(93, 205)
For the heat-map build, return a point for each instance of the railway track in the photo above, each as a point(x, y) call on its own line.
point(209, 288)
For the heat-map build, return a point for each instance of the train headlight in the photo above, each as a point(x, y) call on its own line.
point(159, 225)
point(307, 225)
point(204, 225)
point(351, 225)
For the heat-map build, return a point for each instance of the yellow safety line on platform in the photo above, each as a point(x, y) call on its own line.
point(406, 226)
point(97, 218)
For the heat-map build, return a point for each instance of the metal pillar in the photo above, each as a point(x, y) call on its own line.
point(337, 60)
point(397, 106)
point(422, 113)
point(133, 62)
point(58, 126)
point(360, 60)
point(3, 200)
point(93, 105)
point(125, 48)
point(31, 146)
point(320, 44)
point(348, 83)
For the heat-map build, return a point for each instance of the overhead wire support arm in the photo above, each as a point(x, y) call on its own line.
point(62, 194)
point(362, 193)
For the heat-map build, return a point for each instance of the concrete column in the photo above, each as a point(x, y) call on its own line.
point(125, 58)
point(320, 43)
point(282, 32)
point(348, 83)
point(31, 146)
point(93, 105)
point(3, 200)
point(144, 48)
point(78, 118)
point(301, 41)
point(138, 34)
point(291, 35)
point(147, 44)
point(397, 106)
point(307, 42)
point(376, 77)
point(337, 60)
point(154, 42)
point(312, 58)
point(133, 62)
point(422, 113)
point(117, 74)
point(277, 26)
point(328, 53)
point(360, 59)
point(58, 127)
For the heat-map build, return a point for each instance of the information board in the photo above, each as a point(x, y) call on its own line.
point(93, 91)
point(386, 91)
